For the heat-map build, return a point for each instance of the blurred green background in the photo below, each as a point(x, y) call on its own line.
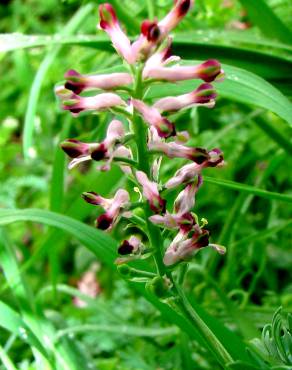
point(247, 203)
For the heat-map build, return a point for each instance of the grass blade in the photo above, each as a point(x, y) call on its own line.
point(249, 189)
point(263, 16)
point(104, 247)
point(40, 75)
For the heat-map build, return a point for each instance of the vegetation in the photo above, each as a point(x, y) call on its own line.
point(72, 297)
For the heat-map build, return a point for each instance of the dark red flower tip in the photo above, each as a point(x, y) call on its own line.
point(103, 222)
point(218, 158)
point(75, 87)
point(158, 205)
point(150, 30)
point(203, 239)
point(74, 110)
point(99, 153)
point(183, 7)
point(91, 197)
point(166, 129)
point(187, 222)
point(125, 248)
point(74, 148)
point(210, 70)
point(204, 93)
point(199, 155)
point(107, 16)
point(72, 74)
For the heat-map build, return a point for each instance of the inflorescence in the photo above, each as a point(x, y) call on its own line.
point(152, 134)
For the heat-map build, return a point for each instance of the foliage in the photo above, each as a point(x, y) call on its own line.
point(46, 243)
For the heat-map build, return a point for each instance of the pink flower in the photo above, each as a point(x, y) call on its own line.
point(182, 218)
point(176, 150)
point(184, 222)
point(76, 104)
point(75, 148)
point(130, 246)
point(87, 285)
point(147, 41)
point(183, 247)
point(160, 59)
point(81, 152)
point(109, 23)
point(185, 200)
point(188, 172)
point(177, 13)
point(151, 193)
point(152, 116)
point(77, 82)
point(204, 95)
point(207, 71)
point(112, 207)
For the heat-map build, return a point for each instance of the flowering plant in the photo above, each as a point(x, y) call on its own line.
point(145, 133)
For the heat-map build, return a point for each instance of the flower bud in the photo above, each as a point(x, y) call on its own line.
point(151, 193)
point(151, 115)
point(75, 148)
point(109, 23)
point(204, 95)
point(77, 82)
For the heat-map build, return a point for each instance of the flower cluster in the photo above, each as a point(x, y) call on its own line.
point(148, 61)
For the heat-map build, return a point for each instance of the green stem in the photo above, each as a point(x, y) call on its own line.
point(212, 342)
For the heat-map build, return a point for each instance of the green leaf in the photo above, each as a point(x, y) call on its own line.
point(7, 362)
point(269, 23)
point(28, 128)
point(12, 321)
point(103, 246)
point(234, 48)
point(241, 86)
point(249, 189)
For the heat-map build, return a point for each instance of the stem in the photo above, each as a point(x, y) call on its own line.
point(212, 342)
point(140, 129)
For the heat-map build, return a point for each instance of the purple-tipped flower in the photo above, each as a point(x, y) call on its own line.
point(204, 95)
point(151, 115)
point(177, 13)
point(129, 246)
point(92, 197)
point(147, 41)
point(182, 218)
point(176, 150)
point(151, 193)
point(161, 58)
point(183, 247)
point(112, 207)
point(75, 148)
point(190, 171)
point(81, 152)
point(77, 82)
point(76, 104)
point(185, 200)
point(207, 71)
point(114, 135)
point(109, 23)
